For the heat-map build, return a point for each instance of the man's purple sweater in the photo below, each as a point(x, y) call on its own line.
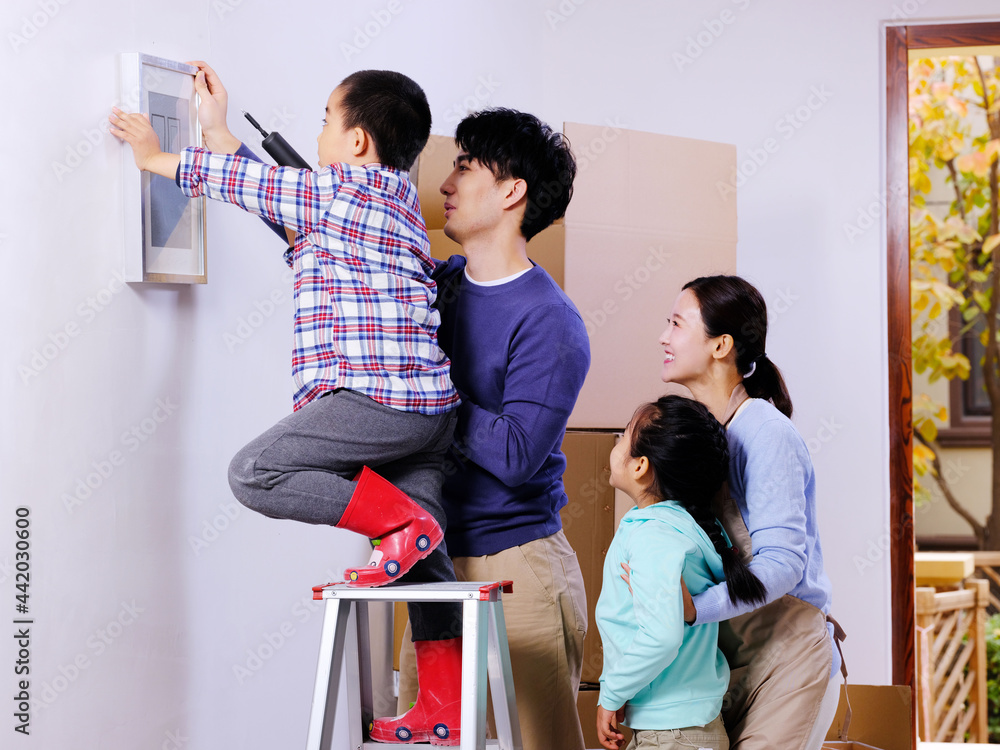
point(519, 354)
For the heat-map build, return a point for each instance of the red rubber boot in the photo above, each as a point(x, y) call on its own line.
point(401, 531)
point(436, 716)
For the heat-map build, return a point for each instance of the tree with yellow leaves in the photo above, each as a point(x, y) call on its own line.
point(954, 134)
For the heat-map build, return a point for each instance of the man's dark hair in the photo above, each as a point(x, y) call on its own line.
point(515, 144)
point(392, 109)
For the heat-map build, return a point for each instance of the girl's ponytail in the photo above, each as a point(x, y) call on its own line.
point(688, 451)
point(743, 585)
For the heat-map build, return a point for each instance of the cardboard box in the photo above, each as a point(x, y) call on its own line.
point(589, 524)
point(647, 216)
point(586, 705)
point(881, 718)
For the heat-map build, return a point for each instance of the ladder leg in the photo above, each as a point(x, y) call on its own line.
point(355, 658)
point(474, 632)
point(359, 677)
point(502, 680)
point(328, 666)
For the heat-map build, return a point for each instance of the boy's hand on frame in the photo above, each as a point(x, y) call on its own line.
point(607, 727)
point(212, 110)
point(135, 129)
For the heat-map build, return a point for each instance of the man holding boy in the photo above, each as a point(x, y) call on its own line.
point(372, 384)
point(520, 353)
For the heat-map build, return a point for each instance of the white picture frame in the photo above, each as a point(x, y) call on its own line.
point(165, 231)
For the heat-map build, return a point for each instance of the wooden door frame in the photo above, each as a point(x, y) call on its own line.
point(899, 40)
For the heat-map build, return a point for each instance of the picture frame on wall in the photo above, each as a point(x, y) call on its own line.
point(165, 231)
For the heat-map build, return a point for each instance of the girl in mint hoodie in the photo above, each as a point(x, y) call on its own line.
point(662, 678)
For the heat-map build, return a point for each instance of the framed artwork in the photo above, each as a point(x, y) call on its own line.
point(165, 231)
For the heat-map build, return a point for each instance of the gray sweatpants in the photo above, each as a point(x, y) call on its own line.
point(303, 469)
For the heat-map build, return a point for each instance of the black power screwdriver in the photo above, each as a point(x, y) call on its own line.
point(278, 147)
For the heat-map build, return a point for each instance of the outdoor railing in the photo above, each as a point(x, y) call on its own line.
point(951, 663)
point(988, 566)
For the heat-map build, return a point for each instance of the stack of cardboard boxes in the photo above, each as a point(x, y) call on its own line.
point(649, 213)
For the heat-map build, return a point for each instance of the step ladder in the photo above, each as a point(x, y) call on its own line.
point(344, 645)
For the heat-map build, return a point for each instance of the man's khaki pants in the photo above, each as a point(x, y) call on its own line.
point(546, 618)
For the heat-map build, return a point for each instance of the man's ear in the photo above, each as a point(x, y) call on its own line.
point(517, 189)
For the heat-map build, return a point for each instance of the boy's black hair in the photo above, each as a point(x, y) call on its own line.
point(392, 109)
point(515, 144)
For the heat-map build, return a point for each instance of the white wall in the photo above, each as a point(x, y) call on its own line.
point(125, 555)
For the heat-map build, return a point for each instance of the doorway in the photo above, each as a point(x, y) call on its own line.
point(900, 40)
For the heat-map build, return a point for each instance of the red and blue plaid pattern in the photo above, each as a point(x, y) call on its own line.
point(364, 315)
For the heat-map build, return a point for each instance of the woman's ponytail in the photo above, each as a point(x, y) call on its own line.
point(765, 382)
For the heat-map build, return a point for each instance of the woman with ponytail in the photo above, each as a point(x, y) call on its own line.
point(664, 680)
point(784, 655)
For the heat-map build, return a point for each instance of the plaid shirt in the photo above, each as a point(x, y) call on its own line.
point(364, 315)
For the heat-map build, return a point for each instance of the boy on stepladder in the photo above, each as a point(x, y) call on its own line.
point(664, 679)
point(372, 385)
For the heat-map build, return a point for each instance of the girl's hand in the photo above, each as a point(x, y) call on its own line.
point(690, 613)
point(625, 576)
point(607, 727)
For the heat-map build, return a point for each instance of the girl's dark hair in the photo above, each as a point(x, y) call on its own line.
point(394, 111)
point(519, 145)
point(733, 305)
point(688, 452)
